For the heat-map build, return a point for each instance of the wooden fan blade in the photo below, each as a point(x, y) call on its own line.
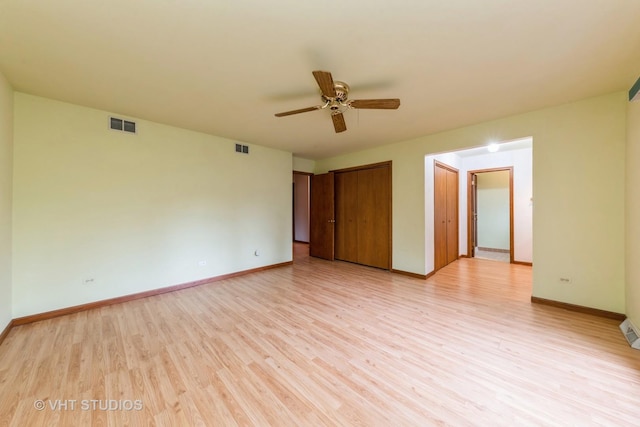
point(338, 122)
point(325, 81)
point(302, 110)
point(383, 104)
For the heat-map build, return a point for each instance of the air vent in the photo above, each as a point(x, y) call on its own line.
point(122, 125)
point(244, 149)
point(630, 334)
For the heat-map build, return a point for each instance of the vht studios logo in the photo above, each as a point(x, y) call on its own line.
point(88, 405)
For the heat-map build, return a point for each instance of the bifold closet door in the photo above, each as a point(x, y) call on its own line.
point(445, 232)
point(363, 216)
point(347, 216)
point(374, 217)
point(452, 216)
point(440, 217)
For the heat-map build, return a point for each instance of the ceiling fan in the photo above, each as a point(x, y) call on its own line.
point(334, 95)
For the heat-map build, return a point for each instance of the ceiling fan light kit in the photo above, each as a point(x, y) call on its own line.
point(335, 97)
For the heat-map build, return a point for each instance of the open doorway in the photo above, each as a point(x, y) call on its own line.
point(490, 214)
point(515, 154)
point(301, 187)
point(301, 213)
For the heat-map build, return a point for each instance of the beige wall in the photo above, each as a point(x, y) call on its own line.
point(135, 212)
point(578, 181)
point(6, 173)
point(633, 214)
point(303, 165)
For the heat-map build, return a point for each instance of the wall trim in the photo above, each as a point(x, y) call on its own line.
point(502, 251)
point(409, 274)
point(431, 274)
point(4, 333)
point(528, 264)
point(579, 308)
point(369, 166)
point(103, 303)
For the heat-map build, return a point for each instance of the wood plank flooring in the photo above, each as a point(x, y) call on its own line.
point(320, 343)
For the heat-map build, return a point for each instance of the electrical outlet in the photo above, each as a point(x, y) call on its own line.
point(566, 280)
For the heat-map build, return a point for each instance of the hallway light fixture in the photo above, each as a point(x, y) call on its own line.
point(493, 147)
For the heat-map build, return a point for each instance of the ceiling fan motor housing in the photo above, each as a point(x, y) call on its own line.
point(342, 92)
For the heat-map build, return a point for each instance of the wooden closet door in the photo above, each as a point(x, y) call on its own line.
point(452, 216)
point(374, 217)
point(346, 216)
point(440, 217)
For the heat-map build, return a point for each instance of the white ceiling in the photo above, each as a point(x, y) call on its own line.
point(225, 67)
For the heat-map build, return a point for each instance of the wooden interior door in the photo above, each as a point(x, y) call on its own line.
point(321, 217)
point(374, 217)
point(474, 216)
point(346, 194)
point(440, 217)
point(452, 216)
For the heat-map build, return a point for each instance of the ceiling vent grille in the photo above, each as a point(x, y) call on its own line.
point(244, 149)
point(122, 125)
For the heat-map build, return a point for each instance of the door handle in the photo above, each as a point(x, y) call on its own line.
point(332, 220)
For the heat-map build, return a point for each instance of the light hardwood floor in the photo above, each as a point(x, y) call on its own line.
point(321, 343)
